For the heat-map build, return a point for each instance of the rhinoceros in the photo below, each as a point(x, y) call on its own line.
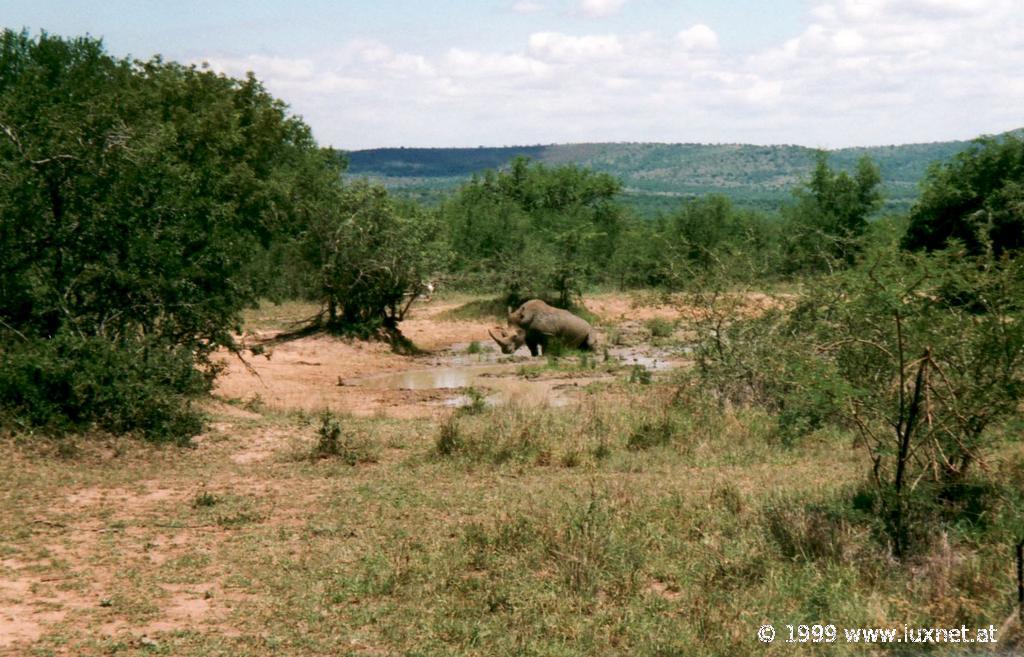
point(535, 322)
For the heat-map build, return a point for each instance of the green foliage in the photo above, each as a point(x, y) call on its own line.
point(532, 229)
point(830, 215)
point(640, 374)
point(336, 441)
point(930, 377)
point(651, 433)
point(476, 402)
point(71, 383)
point(925, 379)
point(133, 196)
point(977, 198)
point(660, 327)
point(371, 254)
point(450, 439)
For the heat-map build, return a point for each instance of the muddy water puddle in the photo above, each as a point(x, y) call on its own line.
point(501, 383)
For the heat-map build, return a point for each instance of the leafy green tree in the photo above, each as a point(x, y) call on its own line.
point(976, 198)
point(710, 233)
point(372, 256)
point(133, 196)
point(532, 229)
point(831, 214)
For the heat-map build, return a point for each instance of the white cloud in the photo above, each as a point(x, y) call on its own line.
point(565, 48)
point(698, 37)
point(527, 7)
point(858, 72)
point(600, 8)
point(467, 63)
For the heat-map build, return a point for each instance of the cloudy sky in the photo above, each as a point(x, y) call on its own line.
point(822, 73)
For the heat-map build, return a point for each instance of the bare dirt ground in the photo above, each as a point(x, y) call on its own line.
point(318, 372)
point(125, 545)
point(312, 373)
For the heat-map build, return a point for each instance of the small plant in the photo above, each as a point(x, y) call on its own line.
point(450, 439)
point(640, 374)
point(570, 459)
point(67, 448)
point(334, 441)
point(555, 349)
point(729, 497)
point(474, 347)
point(660, 327)
point(477, 402)
point(603, 450)
point(329, 436)
point(205, 499)
point(651, 433)
point(529, 371)
point(254, 404)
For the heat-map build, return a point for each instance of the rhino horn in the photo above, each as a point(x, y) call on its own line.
point(501, 337)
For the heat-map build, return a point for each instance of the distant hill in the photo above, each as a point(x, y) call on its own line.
point(656, 176)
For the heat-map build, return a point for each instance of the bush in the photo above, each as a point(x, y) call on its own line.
point(923, 356)
point(72, 383)
point(651, 433)
point(334, 441)
point(660, 327)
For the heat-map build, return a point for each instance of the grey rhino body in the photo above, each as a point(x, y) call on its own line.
point(535, 322)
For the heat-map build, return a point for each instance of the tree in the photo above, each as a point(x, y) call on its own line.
point(532, 229)
point(132, 198)
point(371, 254)
point(976, 198)
point(132, 194)
point(710, 233)
point(831, 214)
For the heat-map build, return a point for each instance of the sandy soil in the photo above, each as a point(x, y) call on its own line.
point(135, 517)
point(322, 372)
point(316, 372)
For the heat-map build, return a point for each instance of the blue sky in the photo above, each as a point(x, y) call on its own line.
point(496, 72)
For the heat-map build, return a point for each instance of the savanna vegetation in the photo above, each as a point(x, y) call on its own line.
point(842, 445)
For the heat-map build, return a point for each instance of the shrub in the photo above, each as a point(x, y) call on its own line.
point(651, 433)
point(660, 327)
point(72, 383)
point(450, 439)
point(925, 376)
point(333, 440)
point(640, 374)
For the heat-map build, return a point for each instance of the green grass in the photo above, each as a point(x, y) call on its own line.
point(645, 521)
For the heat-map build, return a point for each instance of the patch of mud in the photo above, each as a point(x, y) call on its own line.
point(497, 382)
point(366, 379)
point(656, 360)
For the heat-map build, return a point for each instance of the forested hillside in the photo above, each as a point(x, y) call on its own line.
point(656, 174)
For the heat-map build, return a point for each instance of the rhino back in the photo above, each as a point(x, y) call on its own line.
point(563, 324)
